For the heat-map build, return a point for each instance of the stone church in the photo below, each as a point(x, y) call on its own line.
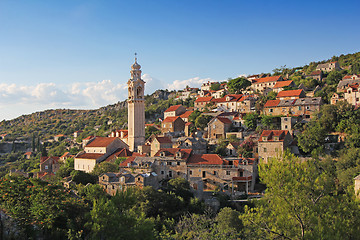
point(136, 108)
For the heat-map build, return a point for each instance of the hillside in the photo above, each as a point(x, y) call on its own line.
point(49, 123)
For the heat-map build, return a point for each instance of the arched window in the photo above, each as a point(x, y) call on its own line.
point(139, 92)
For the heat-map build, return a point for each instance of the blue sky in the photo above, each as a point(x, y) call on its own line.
point(77, 54)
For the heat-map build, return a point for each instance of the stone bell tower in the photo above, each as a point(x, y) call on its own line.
point(136, 108)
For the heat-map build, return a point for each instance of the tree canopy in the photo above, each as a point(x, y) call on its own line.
point(237, 85)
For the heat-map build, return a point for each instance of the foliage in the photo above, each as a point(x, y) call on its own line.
point(300, 203)
point(50, 208)
point(334, 77)
point(150, 131)
point(194, 115)
point(237, 85)
point(82, 177)
point(202, 121)
point(312, 138)
point(246, 148)
point(251, 120)
point(215, 86)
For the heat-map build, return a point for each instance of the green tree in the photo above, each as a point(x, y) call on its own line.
point(313, 137)
point(105, 167)
point(202, 121)
point(300, 203)
point(251, 120)
point(215, 86)
point(333, 77)
point(150, 131)
point(237, 85)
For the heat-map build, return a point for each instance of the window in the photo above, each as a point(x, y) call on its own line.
point(170, 173)
point(46, 167)
point(307, 107)
point(227, 172)
point(285, 119)
point(162, 172)
point(214, 126)
point(164, 125)
point(299, 107)
point(271, 110)
point(190, 172)
point(203, 174)
point(357, 99)
point(178, 163)
point(138, 179)
point(265, 149)
point(215, 173)
point(168, 163)
point(241, 174)
point(178, 173)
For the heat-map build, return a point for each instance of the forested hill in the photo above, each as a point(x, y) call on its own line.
point(99, 122)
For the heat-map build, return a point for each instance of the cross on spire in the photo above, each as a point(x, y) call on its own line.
point(135, 57)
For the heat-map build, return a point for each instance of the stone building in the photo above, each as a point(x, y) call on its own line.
point(201, 102)
point(262, 84)
point(305, 107)
point(174, 111)
point(317, 75)
point(172, 125)
point(357, 186)
point(218, 127)
point(328, 67)
point(136, 108)
point(96, 151)
point(272, 143)
point(49, 164)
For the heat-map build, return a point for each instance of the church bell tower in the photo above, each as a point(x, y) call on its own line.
point(136, 108)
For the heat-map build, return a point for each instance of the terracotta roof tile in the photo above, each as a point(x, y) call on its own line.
point(101, 142)
point(290, 93)
point(163, 139)
point(283, 84)
point(273, 133)
point(90, 155)
point(173, 108)
point(272, 103)
point(186, 114)
point(267, 79)
point(206, 159)
point(171, 119)
point(203, 99)
point(224, 120)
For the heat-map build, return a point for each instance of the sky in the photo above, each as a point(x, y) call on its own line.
point(77, 54)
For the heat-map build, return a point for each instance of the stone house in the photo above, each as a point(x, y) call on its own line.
point(357, 186)
point(218, 127)
point(279, 86)
point(113, 182)
point(59, 137)
point(303, 106)
point(187, 129)
point(49, 164)
point(197, 145)
point(207, 85)
point(185, 116)
point(77, 133)
point(96, 151)
point(336, 98)
point(291, 94)
point(172, 124)
point(317, 75)
point(352, 94)
point(231, 149)
point(261, 84)
point(158, 142)
point(171, 162)
point(328, 67)
point(287, 123)
point(347, 81)
point(28, 155)
point(174, 111)
point(272, 143)
point(201, 102)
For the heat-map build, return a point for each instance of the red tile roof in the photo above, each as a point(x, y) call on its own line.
point(290, 93)
point(203, 99)
point(101, 141)
point(65, 154)
point(43, 159)
point(206, 159)
point(283, 84)
point(273, 133)
point(272, 103)
point(188, 123)
point(28, 153)
point(267, 79)
point(224, 120)
point(173, 108)
point(171, 119)
point(163, 139)
point(314, 73)
point(90, 155)
point(88, 138)
point(186, 114)
point(171, 152)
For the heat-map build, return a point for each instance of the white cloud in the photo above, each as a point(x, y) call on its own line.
point(16, 100)
point(152, 84)
point(192, 82)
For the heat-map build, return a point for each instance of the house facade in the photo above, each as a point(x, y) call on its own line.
point(272, 143)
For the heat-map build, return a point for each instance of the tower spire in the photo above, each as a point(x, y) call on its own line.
point(135, 57)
